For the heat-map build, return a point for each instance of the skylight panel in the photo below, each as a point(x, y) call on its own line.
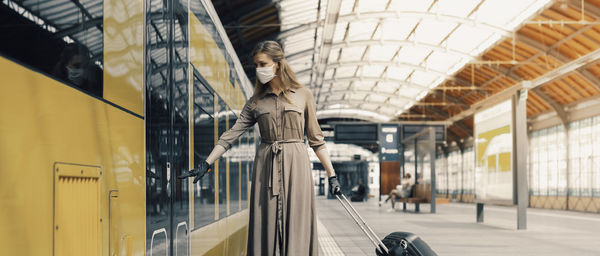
point(345, 71)
point(361, 30)
point(305, 80)
point(372, 5)
point(423, 78)
point(377, 98)
point(387, 111)
point(382, 52)
point(353, 53)
point(333, 54)
point(413, 55)
point(340, 31)
point(432, 32)
point(369, 106)
point(459, 8)
point(467, 38)
point(335, 96)
point(372, 70)
point(356, 96)
point(410, 5)
point(409, 91)
point(346, 6)
point(397, 29)
point(398, 73)
point(387, 87)
point(442, 61)
point(397, 101)
point(328, 74)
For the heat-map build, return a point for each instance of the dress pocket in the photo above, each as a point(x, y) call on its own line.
point(292, 117)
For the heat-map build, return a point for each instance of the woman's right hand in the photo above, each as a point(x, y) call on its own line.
point(334, 186)
point(203, 169)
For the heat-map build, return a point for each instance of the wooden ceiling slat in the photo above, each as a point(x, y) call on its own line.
point(560, 93)
point(572, 92)
point(586, 84)
point(586, 43)
point(535, 33)
point(580, 89)
point(534, 102)
point(552, 94)
point(507, 49)
point(580, 85)
point(570, 13)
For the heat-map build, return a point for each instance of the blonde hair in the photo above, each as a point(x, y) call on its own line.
point(285, 73)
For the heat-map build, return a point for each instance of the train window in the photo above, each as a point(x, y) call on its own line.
point(246, 159)
point(62, 39)
point(234, 169)
point(204, 141)
point(222, 115)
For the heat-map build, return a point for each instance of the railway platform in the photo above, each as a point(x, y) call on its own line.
point(453, 230)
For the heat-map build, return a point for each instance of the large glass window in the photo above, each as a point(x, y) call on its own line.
point(204, 141)
point(469, 171)
point(596, 157)
point(62, 39)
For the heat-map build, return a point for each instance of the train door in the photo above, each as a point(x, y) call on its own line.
point(167, 128)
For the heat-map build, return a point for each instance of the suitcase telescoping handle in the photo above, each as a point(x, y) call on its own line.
point(362, 224)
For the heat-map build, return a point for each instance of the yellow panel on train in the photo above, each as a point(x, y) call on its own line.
point(123, 54)
point(44, 123)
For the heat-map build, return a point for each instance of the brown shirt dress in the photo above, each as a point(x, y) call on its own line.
point(282, 200)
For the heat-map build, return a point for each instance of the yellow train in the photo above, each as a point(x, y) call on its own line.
point(103, 104)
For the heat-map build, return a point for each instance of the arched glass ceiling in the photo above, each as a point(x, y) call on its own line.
point(382, 56)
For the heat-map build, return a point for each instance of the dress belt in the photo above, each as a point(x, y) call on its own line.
point(275, 172)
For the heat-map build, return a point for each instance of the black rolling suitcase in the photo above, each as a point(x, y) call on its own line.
point(394, 244)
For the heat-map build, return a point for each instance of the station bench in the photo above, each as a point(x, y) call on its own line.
point(420, 194)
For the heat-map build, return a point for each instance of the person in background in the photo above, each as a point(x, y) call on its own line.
point(358, 192)
point(74, 67)
point(282, 211)
point(401, 191)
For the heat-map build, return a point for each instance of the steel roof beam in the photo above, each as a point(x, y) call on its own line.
point(558, 108)
point(402, 43)
point(362, 114)
point(383, 63)
point(331, 18)
point(79, 27)
point(368, 92)
point(550, 76)
point(356, 103)
point(248, 9)
point(373, 79)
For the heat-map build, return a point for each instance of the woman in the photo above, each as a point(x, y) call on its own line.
point(401, 191)
point(282, 201)
point(75, 67)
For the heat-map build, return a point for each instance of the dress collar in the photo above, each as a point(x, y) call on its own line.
point(268, 91)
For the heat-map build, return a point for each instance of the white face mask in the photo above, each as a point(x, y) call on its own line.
point(75, 75)
point(265, 74)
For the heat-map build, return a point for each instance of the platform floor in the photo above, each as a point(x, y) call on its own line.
point(453, 231)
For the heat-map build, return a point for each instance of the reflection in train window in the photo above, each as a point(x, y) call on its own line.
point(204, 141)
point(67, 46)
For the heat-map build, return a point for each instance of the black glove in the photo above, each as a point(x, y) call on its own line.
point(199, 172)
point(334, 186)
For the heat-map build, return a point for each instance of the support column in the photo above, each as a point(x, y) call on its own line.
point(479, 212)
point(521, 151)
point(432, 162)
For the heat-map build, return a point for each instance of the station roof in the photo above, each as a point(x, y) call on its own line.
point(436, 60)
